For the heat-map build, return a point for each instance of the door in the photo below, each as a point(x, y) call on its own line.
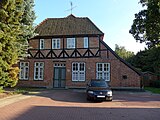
point(59, 77)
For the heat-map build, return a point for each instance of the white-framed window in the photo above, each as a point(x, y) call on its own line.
point(78, 71)
point(56, 43)
point(24, 71)
point(38, 70)
point(71, 43)
point(85, 41)
point(103, 71)
point(41, 44)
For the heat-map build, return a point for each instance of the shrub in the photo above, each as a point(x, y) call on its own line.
point(156, 84)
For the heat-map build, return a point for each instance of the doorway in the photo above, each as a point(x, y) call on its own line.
point(59, 79)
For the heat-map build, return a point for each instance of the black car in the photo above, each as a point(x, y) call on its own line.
point(98, 90)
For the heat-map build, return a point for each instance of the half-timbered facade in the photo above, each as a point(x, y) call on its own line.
point(68, 52)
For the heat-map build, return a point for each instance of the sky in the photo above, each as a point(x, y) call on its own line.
point(113, 17)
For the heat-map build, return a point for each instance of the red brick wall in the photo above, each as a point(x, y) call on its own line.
point(117, 71)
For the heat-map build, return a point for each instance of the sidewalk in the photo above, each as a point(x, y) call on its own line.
point(11, 99)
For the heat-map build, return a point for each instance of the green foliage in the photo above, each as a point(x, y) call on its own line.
point(153, 90)
point(1, 89)
point(123, 53)
point(146, 25)
point(147, 60)
point(14, 32)
point(156, 84)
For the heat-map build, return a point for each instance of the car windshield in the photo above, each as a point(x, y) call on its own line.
point(99, 84)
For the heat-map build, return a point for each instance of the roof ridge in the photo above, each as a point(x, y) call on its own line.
point(71, 15)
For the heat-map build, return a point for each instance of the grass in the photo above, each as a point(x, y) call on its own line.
point(14, 91)
point(153, 90)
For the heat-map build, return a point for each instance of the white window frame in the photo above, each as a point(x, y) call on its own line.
point(85, 41)
point(78, 74)
point(103, 71)
point(38, 70)
point(71, 42)
point(41, 44)
point(56, 43)
point(24, 71)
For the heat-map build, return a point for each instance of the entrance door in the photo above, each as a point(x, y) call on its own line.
point(59, 77)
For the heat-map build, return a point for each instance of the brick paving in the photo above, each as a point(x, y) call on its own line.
point(72, 105)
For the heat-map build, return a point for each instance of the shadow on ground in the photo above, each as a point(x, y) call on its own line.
point(79, 96)
point(88, 113)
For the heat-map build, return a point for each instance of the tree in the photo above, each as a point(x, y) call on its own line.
point(122, 52)
point(16, 26)
point(146, 25)
point(147, 60)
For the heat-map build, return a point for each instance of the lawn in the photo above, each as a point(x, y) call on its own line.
point(153, 90)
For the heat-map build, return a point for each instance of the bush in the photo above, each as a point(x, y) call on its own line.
point(156, 84)
point(1, 89)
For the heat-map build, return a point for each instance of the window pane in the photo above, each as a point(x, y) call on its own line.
point(103, 71)
point(100, 75)
point(75, 67)
point(105, 67)
point(38, 70)
point(55, 43)
point(24, 70)
point(41, 64)
point(36, 64)
point(26, 64)
point(81, 76)
point(85, 42)
point(26, 73)
point(41, 43)
point(81, 67)
point(22, 64)
point(70, 42)
point(74, 76)
point(78, 71)
point(99, 67)
point(58, 43)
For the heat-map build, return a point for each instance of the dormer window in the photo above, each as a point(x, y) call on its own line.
point(56, 43)
point(85, 42)
point(71, 43)
point(41, 44)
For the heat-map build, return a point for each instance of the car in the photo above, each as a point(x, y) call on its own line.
point(98, 89)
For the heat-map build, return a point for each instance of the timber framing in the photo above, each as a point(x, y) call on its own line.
point(63, 53)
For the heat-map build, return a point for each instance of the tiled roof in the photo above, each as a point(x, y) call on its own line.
point(70, 25)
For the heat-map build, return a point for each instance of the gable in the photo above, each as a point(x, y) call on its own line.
point(106, 48)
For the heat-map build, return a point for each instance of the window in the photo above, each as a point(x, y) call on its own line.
point(124, 77)
point(55, 43)
point(70, 42)
point(24, 71)
point(85, 41)
point(78, 71)
point(103, 71)
point(41, 44)
point(59, 65)
point(38, 70)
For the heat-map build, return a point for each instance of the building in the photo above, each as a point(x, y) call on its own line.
point(68, 52)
